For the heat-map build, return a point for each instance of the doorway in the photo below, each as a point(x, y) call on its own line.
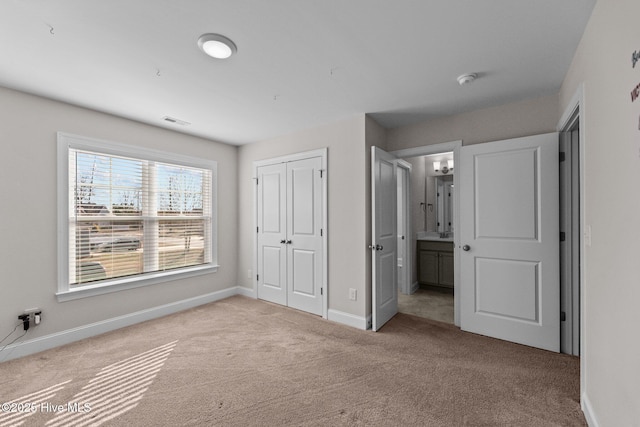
point(570, 232)
point(429, 292)
point(426, 207)
point(569, 128)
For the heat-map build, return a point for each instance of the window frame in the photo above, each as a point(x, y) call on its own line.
point(66, 142)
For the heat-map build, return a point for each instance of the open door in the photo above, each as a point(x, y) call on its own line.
point(384, 234)
point(509, 233)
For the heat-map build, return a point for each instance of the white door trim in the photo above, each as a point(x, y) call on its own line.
point(426, 150)
point(405, 285)
point(323, 153)
point(576, 108)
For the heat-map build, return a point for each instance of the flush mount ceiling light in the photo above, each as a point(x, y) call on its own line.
point(217, 46)
point(467, 78)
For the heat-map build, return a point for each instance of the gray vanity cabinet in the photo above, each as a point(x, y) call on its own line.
point(435, 263)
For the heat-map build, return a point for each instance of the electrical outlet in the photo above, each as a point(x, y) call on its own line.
point(31, 316)
point(353, 294)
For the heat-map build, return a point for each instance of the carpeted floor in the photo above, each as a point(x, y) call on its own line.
point(242, 362)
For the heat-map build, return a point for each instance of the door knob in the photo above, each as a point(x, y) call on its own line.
point(466, 247)
point(288, 242)
point(283, 241)
point(371, 247)
point(379, 247)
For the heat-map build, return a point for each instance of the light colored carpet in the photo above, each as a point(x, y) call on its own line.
point(428, 303)
point(242, 362)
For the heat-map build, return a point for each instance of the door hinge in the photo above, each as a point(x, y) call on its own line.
point(321, 291)
point(257, 277)
point(321, 232)
point(561, 156)
point(563, 316)
point(563, 236)
point(257, 229)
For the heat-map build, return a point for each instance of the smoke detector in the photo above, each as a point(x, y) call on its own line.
point(467, 78)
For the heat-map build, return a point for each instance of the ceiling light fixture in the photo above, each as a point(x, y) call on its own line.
point(217, 46)
point(467, 78)
point(443, 167)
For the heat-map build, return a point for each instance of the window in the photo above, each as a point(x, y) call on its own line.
point(131, 216)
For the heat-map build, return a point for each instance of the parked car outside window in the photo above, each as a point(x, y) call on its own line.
point(120, 245)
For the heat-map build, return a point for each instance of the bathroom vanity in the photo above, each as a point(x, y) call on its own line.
point(435, 261)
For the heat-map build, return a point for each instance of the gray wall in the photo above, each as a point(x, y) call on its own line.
point(28, 170)
point(528, 117)
point(611, 145)
point(346, 206)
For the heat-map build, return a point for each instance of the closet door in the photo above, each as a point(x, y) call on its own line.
point(272, 229)
point(304, 235)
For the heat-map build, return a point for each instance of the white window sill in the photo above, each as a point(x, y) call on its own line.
point(116, 285)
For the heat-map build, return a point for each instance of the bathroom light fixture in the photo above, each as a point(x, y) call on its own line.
point(442, 167)
point(466, 78)
point(217, 46)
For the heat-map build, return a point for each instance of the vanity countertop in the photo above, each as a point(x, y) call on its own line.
point(433, 236)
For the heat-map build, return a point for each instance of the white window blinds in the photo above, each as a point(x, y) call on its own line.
point(130, 216)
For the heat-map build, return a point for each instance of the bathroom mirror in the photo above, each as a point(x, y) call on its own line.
point(444, 203)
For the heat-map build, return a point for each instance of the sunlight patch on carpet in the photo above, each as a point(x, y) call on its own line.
point(15, 412)
point(116, 389)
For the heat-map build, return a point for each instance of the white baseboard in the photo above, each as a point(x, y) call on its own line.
point(36, 345)
point(46, 342)
point(247, 292)
point(349, 319)
point(587, 409)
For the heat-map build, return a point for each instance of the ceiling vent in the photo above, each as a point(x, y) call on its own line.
point(175, 121)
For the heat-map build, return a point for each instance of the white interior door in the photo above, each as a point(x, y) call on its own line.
point(304, 235)
point(272, 229)
point(384, 231)
point(510, 239)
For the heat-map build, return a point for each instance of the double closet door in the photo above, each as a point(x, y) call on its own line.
point(290, 249)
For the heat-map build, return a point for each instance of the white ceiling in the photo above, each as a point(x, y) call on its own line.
point(299, 63)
